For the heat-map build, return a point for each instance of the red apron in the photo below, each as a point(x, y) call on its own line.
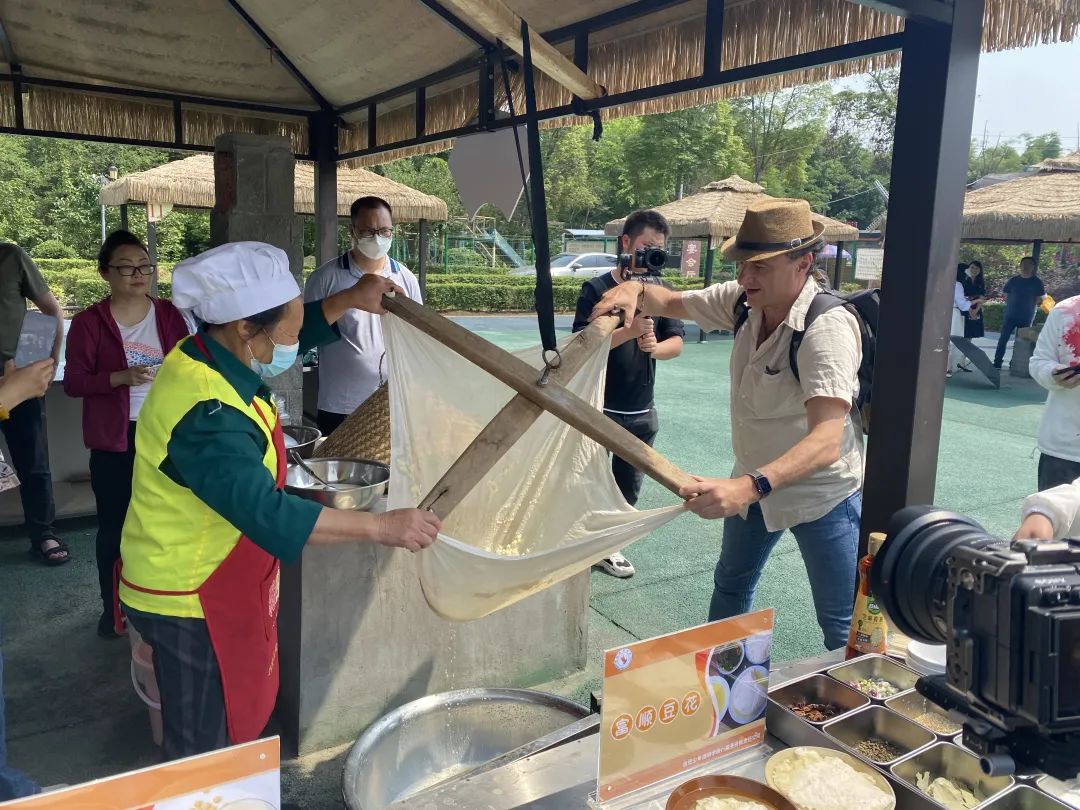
point(240, 603)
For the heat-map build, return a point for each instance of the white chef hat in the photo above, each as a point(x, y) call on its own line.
point(233, 281)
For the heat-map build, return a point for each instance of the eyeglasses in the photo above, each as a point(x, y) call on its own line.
point(369, 233)
point(128, 270)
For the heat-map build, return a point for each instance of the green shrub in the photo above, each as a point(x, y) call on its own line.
point(994, 316)
point(88, 291)
point(466, 257)
point(86, 265)
point(492, 298)
point(53, 249)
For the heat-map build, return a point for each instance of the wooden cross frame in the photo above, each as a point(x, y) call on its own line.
point(533, 398)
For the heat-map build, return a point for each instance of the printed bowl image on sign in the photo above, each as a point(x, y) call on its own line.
point(749, 695)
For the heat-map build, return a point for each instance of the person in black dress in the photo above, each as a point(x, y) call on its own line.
point(975, 291)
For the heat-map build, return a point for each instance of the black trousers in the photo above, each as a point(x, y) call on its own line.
point(189, 680)
point(328, 422)
point(1054, 471)
point(645, 426)
point(29, 446)
point(110, 478)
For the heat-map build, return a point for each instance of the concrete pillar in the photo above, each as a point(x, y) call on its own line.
point(323, 137)
point(254, 178)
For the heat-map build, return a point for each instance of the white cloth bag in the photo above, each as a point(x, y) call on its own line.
point(547, 510)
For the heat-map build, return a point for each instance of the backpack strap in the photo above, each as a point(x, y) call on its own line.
point(343, 261)
point(742, 312)
point(822, 303)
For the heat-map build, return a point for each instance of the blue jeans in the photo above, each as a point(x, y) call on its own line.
point(829, 548)
point(1007, 328)
point(13, 784)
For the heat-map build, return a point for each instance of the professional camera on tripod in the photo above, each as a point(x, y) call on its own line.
point(649, 259)
point(1010, 617)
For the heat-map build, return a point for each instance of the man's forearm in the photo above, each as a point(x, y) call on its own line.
point(660, 301)
point(622, 335)
point(668, 348)
point(819, 449)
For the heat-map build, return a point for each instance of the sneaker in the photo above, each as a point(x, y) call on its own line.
point(617, 565)
point(964, 368)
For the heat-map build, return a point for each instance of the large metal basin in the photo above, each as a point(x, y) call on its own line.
point(422, 742)
point(358, 483)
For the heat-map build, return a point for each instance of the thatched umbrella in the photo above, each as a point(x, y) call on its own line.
point(1040, 206)
point(189, 183)
point(717, 211)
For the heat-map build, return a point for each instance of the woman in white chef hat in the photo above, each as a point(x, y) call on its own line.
point(209, 521)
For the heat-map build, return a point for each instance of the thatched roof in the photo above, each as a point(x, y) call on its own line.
point(1042, 206)
point(189, 183)
point(1065, 163)
point(350, 52)
point(718, 209)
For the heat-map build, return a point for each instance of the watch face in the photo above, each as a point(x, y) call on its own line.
point(762, 484)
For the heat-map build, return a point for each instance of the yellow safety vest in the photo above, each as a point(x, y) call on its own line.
point(172, 541)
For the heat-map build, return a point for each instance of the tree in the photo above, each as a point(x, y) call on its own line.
point(571, 196)
point(429, 174)
point(841, 173)
point(781, 130)
point(869, 114)
point(996, 158)
point(682, 151)
point(1040, 147)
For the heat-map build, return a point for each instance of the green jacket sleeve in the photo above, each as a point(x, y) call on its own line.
point(316, 331)
point(217, 452)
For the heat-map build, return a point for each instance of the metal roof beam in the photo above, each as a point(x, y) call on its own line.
point(940, 11)
point(286, 63)
point(888, 43)
point(154, 95)
point(463, 27)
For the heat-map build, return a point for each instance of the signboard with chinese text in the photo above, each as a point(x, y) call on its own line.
point(690, 261)
point(244, 777)
point(677, 702)
point(868, 264)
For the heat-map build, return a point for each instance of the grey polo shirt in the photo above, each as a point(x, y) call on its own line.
point(349, 369)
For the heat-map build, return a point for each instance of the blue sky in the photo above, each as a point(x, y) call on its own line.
point(1032, 90)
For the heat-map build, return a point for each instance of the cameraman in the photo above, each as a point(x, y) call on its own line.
point(635, 348)
point(1052, 514)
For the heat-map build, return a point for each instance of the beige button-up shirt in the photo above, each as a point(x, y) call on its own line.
point(768, 405)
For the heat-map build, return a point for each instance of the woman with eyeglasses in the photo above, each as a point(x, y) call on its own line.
point(114, 349)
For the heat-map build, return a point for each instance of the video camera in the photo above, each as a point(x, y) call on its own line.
point(1009, 615)
point(652, 259)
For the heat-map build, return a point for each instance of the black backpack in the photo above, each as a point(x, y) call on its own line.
point(865, 306)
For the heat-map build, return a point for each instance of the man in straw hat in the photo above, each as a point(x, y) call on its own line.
point(798, 453)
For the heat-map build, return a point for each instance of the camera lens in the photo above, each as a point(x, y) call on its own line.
point(655, 259)
point(910, 575)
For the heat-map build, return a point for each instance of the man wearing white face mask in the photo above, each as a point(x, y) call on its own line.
point(351, 369)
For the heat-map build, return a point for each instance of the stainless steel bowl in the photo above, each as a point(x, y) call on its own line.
point(818, 689)
point(358, 482)
point(423, 742)
point(962, 767)
point(912, 705)
point(879, 723)
point(1025, 798)
point(875, 666)
point(305, 438)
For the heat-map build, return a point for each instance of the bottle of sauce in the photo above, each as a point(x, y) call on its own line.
point(869, 633)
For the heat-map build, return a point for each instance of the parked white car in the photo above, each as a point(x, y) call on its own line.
point(583, 265)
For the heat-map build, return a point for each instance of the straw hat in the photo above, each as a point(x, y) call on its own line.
point(773, 227)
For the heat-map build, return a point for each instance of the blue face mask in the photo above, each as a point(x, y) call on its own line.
point(284, 357)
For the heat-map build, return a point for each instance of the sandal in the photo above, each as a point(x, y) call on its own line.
point(57, 555)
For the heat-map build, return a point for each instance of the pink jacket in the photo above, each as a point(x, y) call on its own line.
point(94, 351)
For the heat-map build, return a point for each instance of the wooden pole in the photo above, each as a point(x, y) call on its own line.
point(501, 22)
point(552, 397)
point(510, 424)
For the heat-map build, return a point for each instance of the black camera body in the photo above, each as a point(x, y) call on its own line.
point(1009, 615)
point(652, 259)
